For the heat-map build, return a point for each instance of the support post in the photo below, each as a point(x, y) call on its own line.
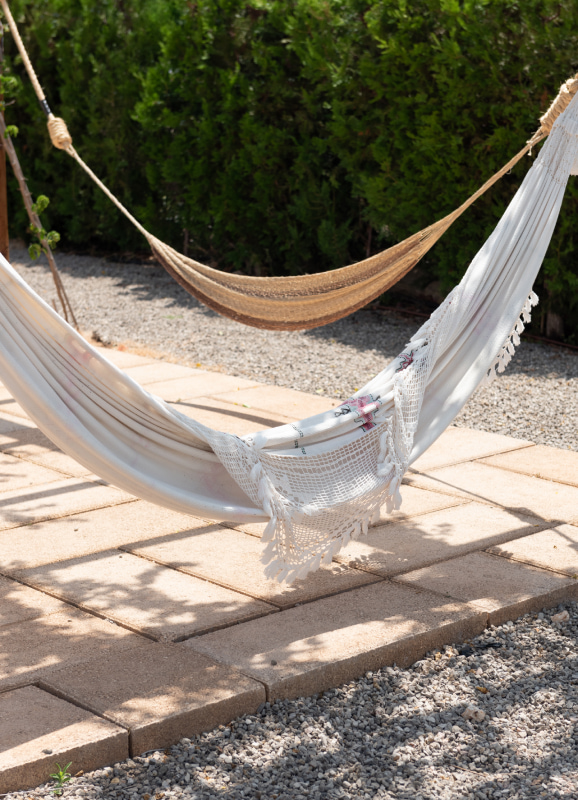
point(4, 237)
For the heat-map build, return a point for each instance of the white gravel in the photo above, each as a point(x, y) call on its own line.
point(536, 399)
point(499, 720)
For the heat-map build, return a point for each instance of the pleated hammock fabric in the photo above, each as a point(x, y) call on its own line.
point(322, 480)
point(297, 302)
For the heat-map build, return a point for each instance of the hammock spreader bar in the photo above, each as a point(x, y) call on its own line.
point(294, 302)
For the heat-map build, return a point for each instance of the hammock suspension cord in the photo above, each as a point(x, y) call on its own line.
point(293, 302)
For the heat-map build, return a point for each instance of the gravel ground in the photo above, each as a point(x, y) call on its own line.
point(496, 719)
point(536, 399)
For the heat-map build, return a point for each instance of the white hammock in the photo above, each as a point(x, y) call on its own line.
point(322, 480)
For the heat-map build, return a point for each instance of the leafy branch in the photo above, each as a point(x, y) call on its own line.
point(47, 240)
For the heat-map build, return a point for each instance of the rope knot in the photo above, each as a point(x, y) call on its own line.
point(560, 104)
point(59, 134)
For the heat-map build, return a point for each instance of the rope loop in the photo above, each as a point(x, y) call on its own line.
point(560, 104)
point(59, 134)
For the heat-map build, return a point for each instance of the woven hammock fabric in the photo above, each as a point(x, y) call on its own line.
point(303, 302)
point(322, 480)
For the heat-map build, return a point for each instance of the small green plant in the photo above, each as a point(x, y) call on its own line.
point(11, 132)
point(45, 238)
point(60, 778)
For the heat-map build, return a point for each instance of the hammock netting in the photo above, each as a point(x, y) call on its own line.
point(321, 481)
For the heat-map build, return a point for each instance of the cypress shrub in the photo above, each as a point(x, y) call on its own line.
point(290, 136)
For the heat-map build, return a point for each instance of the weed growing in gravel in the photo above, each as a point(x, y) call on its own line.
point(60, 777)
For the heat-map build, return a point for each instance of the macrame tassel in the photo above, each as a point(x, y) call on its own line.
point(512, 341)
point(269, 531)
point(393, 501)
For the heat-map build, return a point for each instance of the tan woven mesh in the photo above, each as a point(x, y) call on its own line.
point(307, 301)
point(303, 301)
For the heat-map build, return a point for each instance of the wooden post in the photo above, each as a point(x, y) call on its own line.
point(4, 239)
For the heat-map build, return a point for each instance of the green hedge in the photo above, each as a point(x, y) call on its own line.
point(289, 136)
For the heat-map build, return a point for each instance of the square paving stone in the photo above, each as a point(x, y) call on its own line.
point(19, 602)
point(541, 462)
point(89, 532)
point(291, 404)
point(39, 730)
point(204, 384)
point(161, 371)
point(415, 503)
point(238, 566)
point(30, 650)
point(58, 498)
point(500, 487)
point(31, 444)
point(465, 444)
point(229, 417)
point(555, 548)
point(123, 359)
point(8, 404)
point(10, 427)
point(322, 644)
point(404, 546)
point(506, 589)
point(15, 473)
point(147, 597)
point(160, 692)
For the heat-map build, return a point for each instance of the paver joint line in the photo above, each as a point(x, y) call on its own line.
point(320, 653)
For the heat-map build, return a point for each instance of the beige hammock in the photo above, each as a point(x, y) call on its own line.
point(296, 302)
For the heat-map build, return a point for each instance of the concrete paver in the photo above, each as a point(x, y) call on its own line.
point(200, 635)
point(541, 462)
point(229, 417)
point(403, 546)
point(288, 402)
point(415, 502)
point(199, 385)
point(161, 371)
point(19, 603)
point(39, 730)
point(505, 589)
point(146, 597)
point(15, 473)
point(500, 487)
point(124, 359)
point(555, 548)
point(159, 692)
point(30, 650)
point(465, 444)
point(9, 427)
point(9, 406)
point(89, 532)
point(238, 566)
point(32, 445)
point(58, 498)
point(319, 645)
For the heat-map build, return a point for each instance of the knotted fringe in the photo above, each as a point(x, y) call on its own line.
point(388, 465)
point(276, 568)
point(512, 341)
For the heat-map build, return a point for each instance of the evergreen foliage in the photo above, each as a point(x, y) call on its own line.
point(289, 136)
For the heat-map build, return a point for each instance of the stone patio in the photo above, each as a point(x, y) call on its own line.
point(124, 626)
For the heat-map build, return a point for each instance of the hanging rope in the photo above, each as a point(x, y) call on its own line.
point(292, 302)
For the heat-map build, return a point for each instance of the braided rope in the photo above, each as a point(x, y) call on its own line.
point(560, 104)
point(303, 301)
point(22, 50)
point(59, 135)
